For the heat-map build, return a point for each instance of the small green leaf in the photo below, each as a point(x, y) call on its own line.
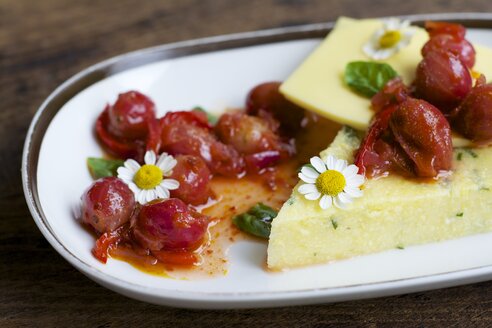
point(460, 214)
point(400, 246)
point(459, 156)
point(100, 167)
point(334, 223)
point(212, 119)
point(367, 78)
point(256, 221)
point(471, 152)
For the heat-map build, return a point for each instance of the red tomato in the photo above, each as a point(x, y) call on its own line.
point(425, 135)
point(473, 118)
point(393, 93)
point(185, 134)
point(129, 116)
point(129, 127)
point(437, 28)
point(107, 204)
point(461, 48)
point(249, 134)
point(443, 80)
point(266, 98)
point(193, 176)
point(170, 225)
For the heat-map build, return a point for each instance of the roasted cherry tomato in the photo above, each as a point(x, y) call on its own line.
point(393, 93)
point(265, 99)
point(129, 116)
point(183, 134)
point(193, 176)
point(473, 118)
point(374, 156)
point(129, 127)
point(443, 80)
point(425, 135)
point(107, 241)
point(250, 134)
point(438, 28)
point(170, 225)
point(461, 48)
point(107, 204)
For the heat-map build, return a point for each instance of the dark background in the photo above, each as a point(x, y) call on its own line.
point(42, 43)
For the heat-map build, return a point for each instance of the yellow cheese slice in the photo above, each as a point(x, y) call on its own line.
point(317, 84)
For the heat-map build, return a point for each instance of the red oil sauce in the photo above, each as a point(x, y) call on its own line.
point(235, 196)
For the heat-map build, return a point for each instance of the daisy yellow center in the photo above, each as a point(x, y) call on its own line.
point(330, 182)
point(389, 39)
point(148, 177)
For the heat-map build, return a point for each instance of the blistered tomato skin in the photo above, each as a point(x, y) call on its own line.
point(374, 156)
point(449, 37)
point(129, 127)
point(170, 225)
point(129, 115)
point(193, 176)
point(107, 204)
point(265, 98)
point(393, 93)
point(425, 135)
point(249, 134)
point(182, 134)
point(443, 80)
point(459, 47)
point(473, 118)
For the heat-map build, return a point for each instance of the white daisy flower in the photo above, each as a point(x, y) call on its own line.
point(148, 181)
point(332, 182)
point(389, 39)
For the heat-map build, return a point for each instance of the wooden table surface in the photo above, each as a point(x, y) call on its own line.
point(42, 43)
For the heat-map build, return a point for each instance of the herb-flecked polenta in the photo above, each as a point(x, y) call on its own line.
point(394, 212)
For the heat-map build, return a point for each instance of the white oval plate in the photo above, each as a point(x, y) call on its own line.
point(61, 138)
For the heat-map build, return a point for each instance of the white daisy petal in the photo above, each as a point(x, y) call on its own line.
point(353, 192)
point(338, 203)
point(309, 172)
point(325, 202)
point(132, 165)
point(166, 164)
point(313, 195)
point(141, 196)
point(125, 174)
point(162, 157)
point(330, 162)
point(307, 188)
point(355, 181)
point(151, 195)
point(305, 178)
point(162, 192)
point(318, 164)
point(344, 198)
point(350, 171)
point(149, 157)
point(340, 165)
point(170, 184)
point(133, 187)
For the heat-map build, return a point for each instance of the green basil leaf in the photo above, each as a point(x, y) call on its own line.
point(367, 78)
point(100, 167)
point(212, 119)
point(256, 221)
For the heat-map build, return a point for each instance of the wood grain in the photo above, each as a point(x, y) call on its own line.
point(42, 43)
